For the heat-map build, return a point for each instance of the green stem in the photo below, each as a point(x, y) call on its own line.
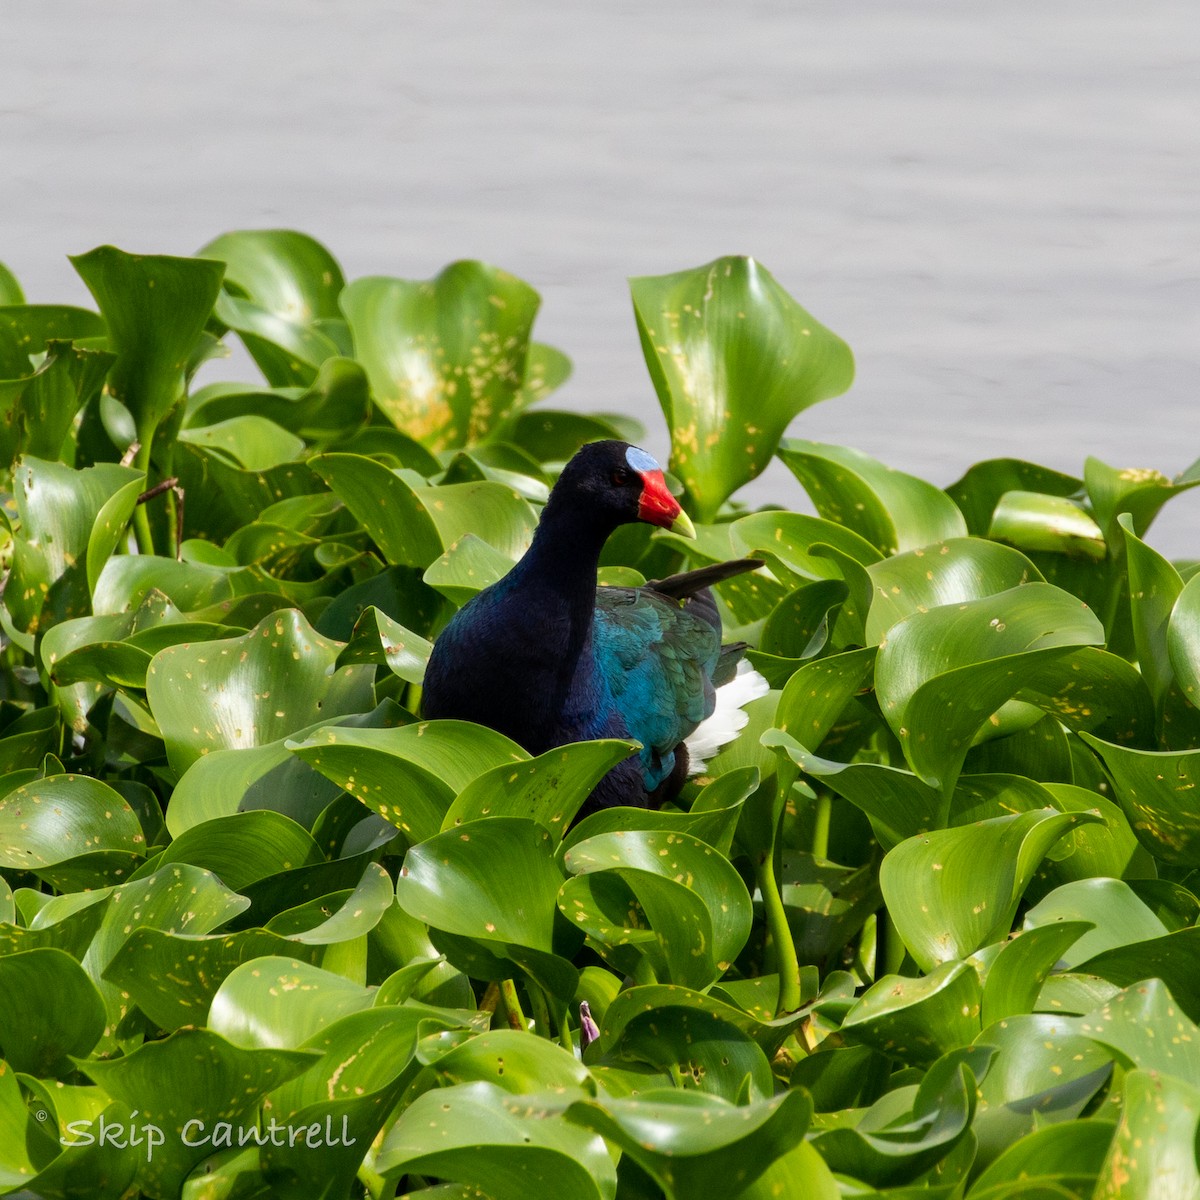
point(820, 840)
point(141, 518)
point(781, 937)
point(541, 1011)
point(512, 1005)
point(890, 956)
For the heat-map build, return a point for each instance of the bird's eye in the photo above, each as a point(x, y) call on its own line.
point(621, 477)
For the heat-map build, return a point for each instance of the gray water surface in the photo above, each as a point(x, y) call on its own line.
point(997, 206)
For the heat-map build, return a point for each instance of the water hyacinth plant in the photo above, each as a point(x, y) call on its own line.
point(929, 925)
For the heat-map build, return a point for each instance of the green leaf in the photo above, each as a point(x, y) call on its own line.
point(684, 1140)
point(694, 901)
point(336, 402)
point(1017, 973)
point(193, 1075)
point(264, 777)
point(1059, 1161)
point(891, 510)
point(278, 285)
point(1183, 639)
point(56, 819)
point(955, 890)
point(909, 1129)
point(10, 289)
point(941, 674)
point(949, 572)
point(244, 847)
point(446, 357)
point(549, 789)
point(377, 638)
point(1139, 491)
point(918, 1020)
point(250, 690)
point(1154, 1151)
point(733, 358)
point(37, 410)
point(410, 775)
point(1034, 521)
point(1119, 917)
point(1044, 1071)
point(510, 1059)
point(259, 1004)
point(1154, 789)
point(413, 524)
point(698, 1049)
point(70, 523)
point(155, 308)
point(979, 491)
point(492, 885)
point(49, 1009)
point(477, 1134)
point(178, 899)
point(1144, 1028)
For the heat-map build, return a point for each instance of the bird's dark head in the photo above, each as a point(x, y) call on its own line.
point(621, 483)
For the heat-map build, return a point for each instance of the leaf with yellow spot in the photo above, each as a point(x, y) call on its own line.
point(734, 358)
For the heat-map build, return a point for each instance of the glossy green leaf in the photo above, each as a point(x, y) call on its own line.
point(1045, 1071)
point(194, 1075)
point(756, 1018)
point(70, 523)
point(410, 775)
point(1144, 1028)
point(693, 900)
point(336, 402)
point(477, 1134)
point(949, 572)
point(1059, 1161)
point(37, 410)
point(1183, 640)
point(49, 1009)
point(549, 788)
point(265, 777)
point(941, 674)
point(1033, 521)
point(155, 308)
point(1155, 790)
point(446, 357)
point(1153, 1154)
point(53, 820)
point(1118, 916)
point(1154, 588)
point(686, 1139)
point(954, 890)
point(278, 285)
point(911, 1128)
point(699, 1051)
point(251, 690)
point(1139, 491)
point(510, 1059)
point(413, 524)
point(1017, 973)
point(733, 358)
point(244, 847)
point(377, 638)
point(10, 288)
point(258, 1004)
point(979, 490)
point(452, 883)
point(918, 1020)
point(891, 510)
point(178, 899)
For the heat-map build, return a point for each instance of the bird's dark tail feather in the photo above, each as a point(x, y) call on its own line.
point(688, 583)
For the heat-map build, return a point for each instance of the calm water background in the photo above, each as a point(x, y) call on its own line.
point(997, 206)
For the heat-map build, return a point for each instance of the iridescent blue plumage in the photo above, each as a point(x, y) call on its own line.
point(547, 658)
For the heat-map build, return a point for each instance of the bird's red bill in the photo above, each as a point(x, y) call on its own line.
point(657, 505)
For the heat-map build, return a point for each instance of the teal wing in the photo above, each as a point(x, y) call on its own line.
point(658, 659)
